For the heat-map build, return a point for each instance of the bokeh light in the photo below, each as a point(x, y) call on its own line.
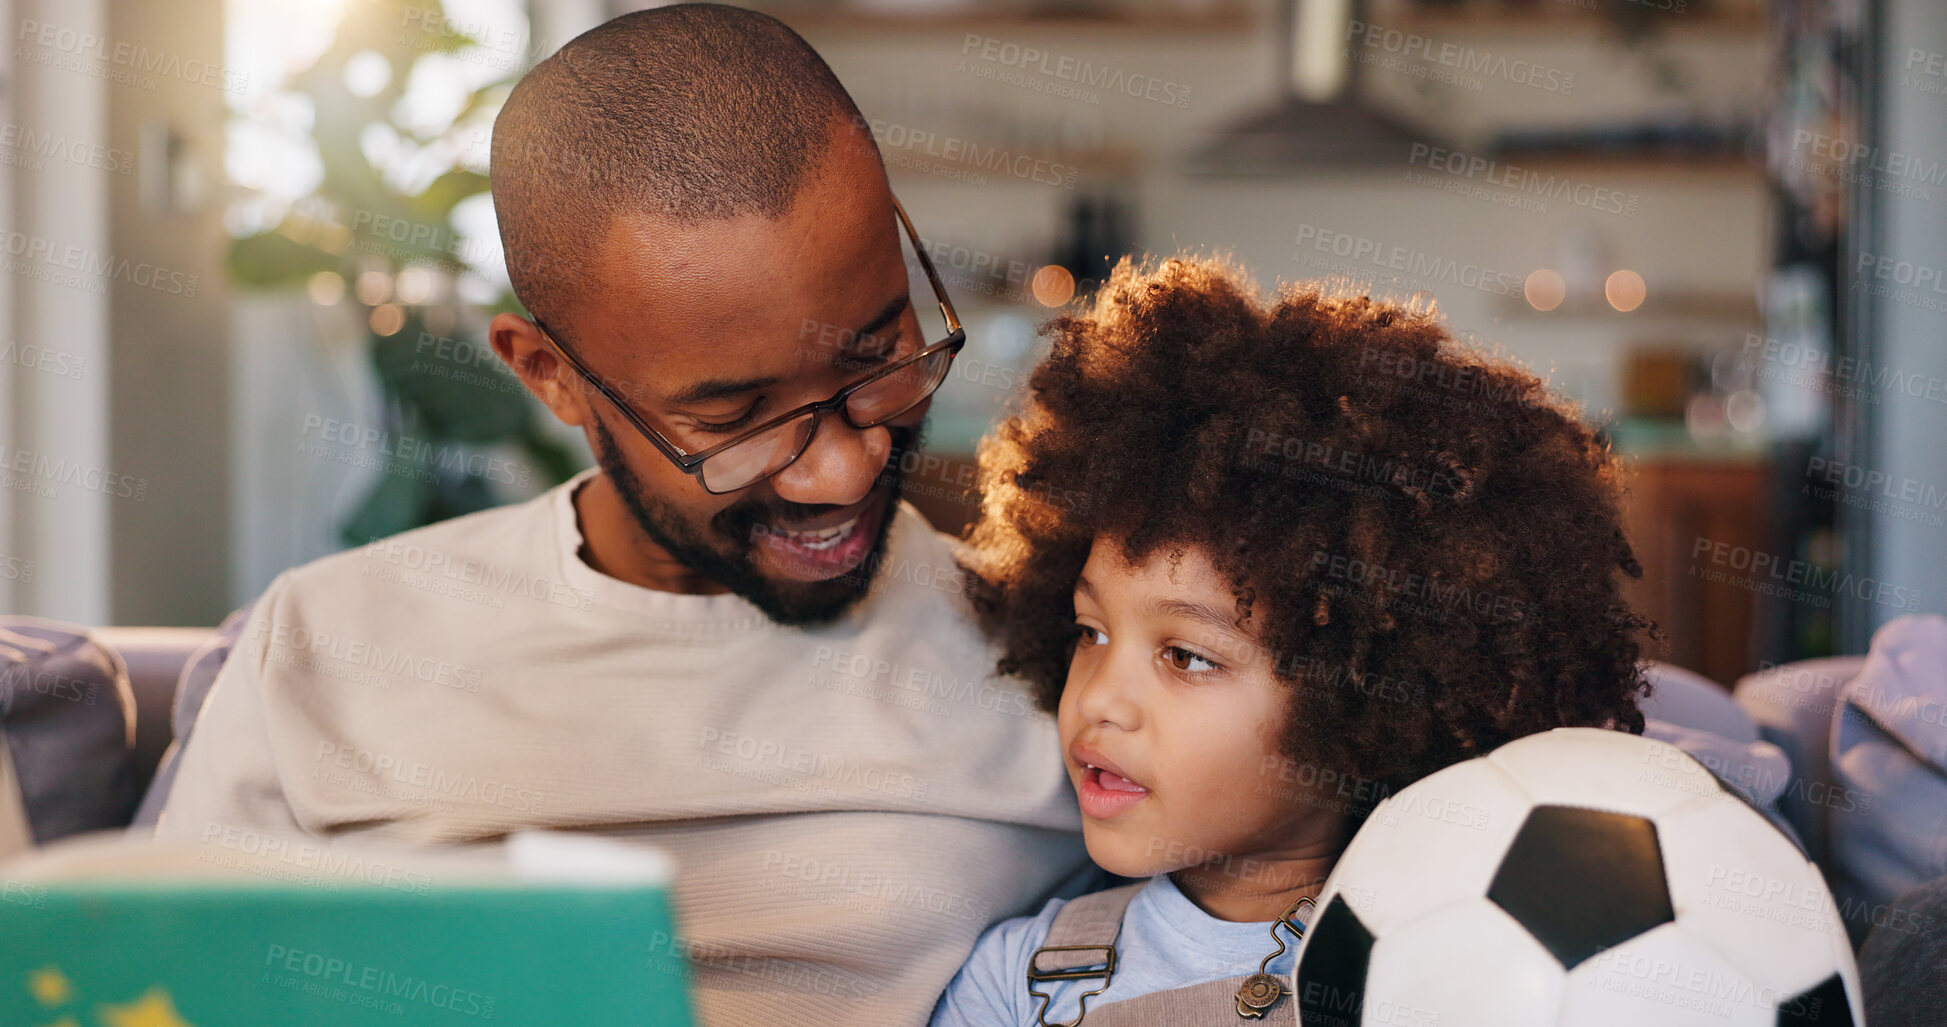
point(1545, 289)
point(415, 285)
point(325, 287)
point(1625, 290)
point(372, 287)
point(387, 319)
point(1053, 286)
point(367, 73)
point(1745, 410)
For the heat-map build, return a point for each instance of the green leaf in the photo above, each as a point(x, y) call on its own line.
point(460, 495)
point(548, 455)
point(273, 259)
point(398, 503)
point(475, 401)
point(447, 191)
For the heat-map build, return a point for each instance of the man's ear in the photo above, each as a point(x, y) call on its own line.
point(520, 346)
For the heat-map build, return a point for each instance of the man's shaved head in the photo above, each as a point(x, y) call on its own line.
point(681, 192)
point(691, 113)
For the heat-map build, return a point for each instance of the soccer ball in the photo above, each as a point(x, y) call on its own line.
point(1574, 878)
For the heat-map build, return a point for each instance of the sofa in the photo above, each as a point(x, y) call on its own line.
point(93, 715)
point(1844, 767)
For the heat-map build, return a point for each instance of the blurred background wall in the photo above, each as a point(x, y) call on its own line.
point(252, 258)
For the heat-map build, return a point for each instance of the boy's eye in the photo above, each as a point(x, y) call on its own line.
point(1085, 635)
point(1184, 660)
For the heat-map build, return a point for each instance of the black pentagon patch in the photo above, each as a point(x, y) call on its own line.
point(1582, 880)
point(1825, 1006)
point(1331, 978)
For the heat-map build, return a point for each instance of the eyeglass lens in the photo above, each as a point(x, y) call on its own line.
point(882, 400)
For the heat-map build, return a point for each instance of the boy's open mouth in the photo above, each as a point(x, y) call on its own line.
point(1105, 791)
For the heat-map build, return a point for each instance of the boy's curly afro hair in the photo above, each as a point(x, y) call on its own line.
point(1424, 540)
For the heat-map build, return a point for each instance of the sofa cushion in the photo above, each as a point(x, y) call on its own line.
point(1793, 705)
point(68, 718)
point(1888, 832)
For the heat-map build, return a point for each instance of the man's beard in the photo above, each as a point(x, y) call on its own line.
point(722, 550)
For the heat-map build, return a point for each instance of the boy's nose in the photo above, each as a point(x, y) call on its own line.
point(1106, 699)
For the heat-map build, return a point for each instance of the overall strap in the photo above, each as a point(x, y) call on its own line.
point(1210, 1004)
point(1092, 919)
point(1080, 946)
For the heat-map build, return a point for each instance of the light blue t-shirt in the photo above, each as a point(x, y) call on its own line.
point(1166, 942)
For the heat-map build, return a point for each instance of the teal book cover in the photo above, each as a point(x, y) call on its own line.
point(108, 949)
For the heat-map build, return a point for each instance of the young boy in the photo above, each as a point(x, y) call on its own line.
point(1268, 565)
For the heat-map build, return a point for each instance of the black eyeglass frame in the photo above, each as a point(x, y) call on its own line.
point(692, 463)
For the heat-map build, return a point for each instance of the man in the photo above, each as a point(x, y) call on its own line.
point(756, 660)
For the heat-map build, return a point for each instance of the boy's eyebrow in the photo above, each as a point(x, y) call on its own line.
point(1200, 612)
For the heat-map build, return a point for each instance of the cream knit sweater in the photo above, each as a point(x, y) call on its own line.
point(849, 806)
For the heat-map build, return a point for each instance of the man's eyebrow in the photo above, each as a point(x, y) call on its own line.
point(886, 315)
point(723, 388)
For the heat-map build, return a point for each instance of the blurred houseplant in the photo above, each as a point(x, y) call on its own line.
point(379, 230)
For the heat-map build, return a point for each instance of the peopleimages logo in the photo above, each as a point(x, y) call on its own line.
point(1773, 575)
point(28, 142)
point(1841, 150)
point(15, 568)
point(40, 358)
point(1461, 164)
point(92, 269)
point(1031, 60)
point(124, 57)
point(916, 145)
point(1359, 251)
point(1412, 45)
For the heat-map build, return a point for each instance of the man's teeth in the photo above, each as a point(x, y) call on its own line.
point(824, 538)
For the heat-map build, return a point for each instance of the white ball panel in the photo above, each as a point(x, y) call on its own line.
point(1740, 887)
point(1469, 965)
point(1607, 770)
point(1842, 958)
point(1434, 843)
point(1664, 977)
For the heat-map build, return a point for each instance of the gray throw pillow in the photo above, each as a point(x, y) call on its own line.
point(68, 718)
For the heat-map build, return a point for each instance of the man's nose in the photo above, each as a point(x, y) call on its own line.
point(839, 467)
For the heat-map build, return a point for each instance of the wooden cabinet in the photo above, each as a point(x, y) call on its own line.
point(1700, 530)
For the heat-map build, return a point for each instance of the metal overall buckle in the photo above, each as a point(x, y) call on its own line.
point(1260, 991)
point(1036, 975)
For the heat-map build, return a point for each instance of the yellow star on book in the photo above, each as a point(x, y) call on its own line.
point(153, 1009)
point(50, 986)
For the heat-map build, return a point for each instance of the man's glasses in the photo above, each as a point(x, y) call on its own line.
point(756, 454)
